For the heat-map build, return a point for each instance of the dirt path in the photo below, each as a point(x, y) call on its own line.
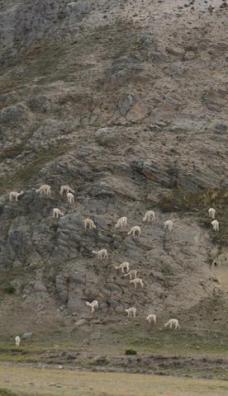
point(32, 381)
point(195, 367)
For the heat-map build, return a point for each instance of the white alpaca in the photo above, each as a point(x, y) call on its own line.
point(132, 274)
point(149, 216)
point(211, 212)
point(14, 195)
point(56, 213)
point(131, 312)
point(136, 282)
point(173, 323)
point(70, 198)
point(45, 189)
point(123, 266)
point(135, 231)
point(17, 341)
point(66, 189)
point(168, 224)
point(215, 225)
point(101, 254)
point(151, 318)
point(121, 223)
point(89, 224)
point(93, 305)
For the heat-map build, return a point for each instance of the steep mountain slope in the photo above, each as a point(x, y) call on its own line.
point(127, 102)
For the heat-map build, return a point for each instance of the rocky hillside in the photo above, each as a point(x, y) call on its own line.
point(127, 102)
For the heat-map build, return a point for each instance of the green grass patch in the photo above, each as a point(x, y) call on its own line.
point(6, 392)
point(169, 342)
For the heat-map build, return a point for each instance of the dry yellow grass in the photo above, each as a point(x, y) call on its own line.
point(61, 382)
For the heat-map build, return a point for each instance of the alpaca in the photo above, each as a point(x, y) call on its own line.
point(93, 305)
point(56, 213)
point(70, 198)
point(66, 189)
point(45, 189)
point(135, 231)
point(215, 225)
point(132, 274)
point(149, 216)
point(137, 281)
point(151, 318)
point(14, 195)
point(168, 224)
point(131, 312)
point(121, 223)
point(173, 323)
point(89, 224)
point(211, 212)
point(101, 254)
point(123, 266)
point(17, 341)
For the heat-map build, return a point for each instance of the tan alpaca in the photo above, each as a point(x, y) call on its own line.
point(14, 195)
point(89, 224)
point(149, 216)
point(45, 189)
point(101, 254)
point(131, 312)
point(135, 231)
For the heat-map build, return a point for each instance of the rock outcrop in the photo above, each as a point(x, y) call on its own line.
point(127, 103)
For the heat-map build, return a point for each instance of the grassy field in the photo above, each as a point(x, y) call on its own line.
point(34, 381)
point(168, 355)
point(163, 342)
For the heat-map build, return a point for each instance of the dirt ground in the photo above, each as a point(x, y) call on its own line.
point(32, 381)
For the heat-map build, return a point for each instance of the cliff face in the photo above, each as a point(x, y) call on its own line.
point(126, 102)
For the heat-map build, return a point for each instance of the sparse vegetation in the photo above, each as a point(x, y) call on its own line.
point(197, 203)
point(27, 173)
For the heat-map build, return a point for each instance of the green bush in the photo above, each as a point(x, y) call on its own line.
point(130, 352)
point(9, 289)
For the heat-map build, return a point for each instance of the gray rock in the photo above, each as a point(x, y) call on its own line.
point(189, 55)
point(125, 104)
point(106, 136)
point(39, 103)
point(81, 322)
point(79, 8)
point(27, 336)
point(176, 51)
point(12, 115)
